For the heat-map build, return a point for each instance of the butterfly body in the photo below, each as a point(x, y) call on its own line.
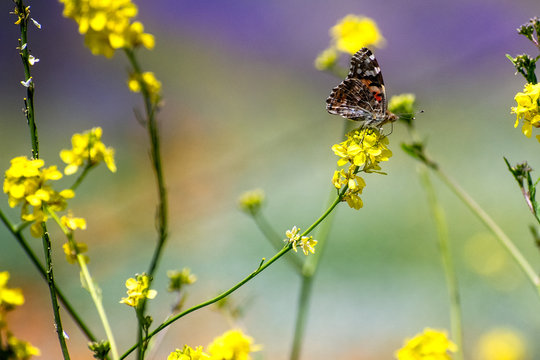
point(362, 96)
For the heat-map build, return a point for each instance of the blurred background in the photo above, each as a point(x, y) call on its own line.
point(245, 108)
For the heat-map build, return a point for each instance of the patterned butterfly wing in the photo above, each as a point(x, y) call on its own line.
point(361, 96)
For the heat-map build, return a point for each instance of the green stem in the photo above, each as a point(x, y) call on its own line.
point(275, 240)
point(81, 177)
point(89, 285)
point(41, 269)
point(155, 153)
point(446, 259)
point(262, 266)
point(29, 100)
point(301, 317)
point(495, 229)
point(52, 290)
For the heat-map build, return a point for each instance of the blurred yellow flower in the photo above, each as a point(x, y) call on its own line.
point(430, 345)
point(251, 201)
point(326, 59)
point(354, 32)
point(188, 353)
point(232, 345)
point(27, 184)
point(528, 108)
point(177, 279)
point(22, 350)
point(107, 25)
point(501, 344)
point(153, 85)
point(71, 252)
point(9, 298)
point(138, 290)
point(88, 149)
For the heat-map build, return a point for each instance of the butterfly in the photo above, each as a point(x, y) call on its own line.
point(361, 96)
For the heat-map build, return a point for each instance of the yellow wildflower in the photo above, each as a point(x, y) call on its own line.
point(232, 345)
point(354, 32)
point(22, 350)
point(107, 25)
point(251, 201)
point(326, 59)
point(72, 252)
point(27, 184)
point(430, 345)
point(501, 344)
point(153, 85)
point(138, 290)
point(528, 108)
point(177, 279)
point(87, 148)
point(307, 243)
point(9, 298)
point(188, 353)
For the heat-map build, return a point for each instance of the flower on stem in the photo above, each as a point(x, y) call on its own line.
point(232, 345)
point(153, 85)
point(528, 108)
point(27, 184)
point(361, 151)
point(188, 353)
point(430, 345)
point(251, 201)
point(87, 148)
point(307, 243)
point(138, 290)
point(177, 279)
point(20, 349)
point(107, 25)
point(72, 252)
point(326, 59)
point(354, 32)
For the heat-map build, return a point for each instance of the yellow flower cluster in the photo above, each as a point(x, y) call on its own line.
point(430, 345)
point(138, 290)
point(362, 151)
point(251, 201)
point(349, 35)
point(177, 279)
point(27, 184)
point(152, 85)
point(307, 243)
point(107, 25)
point(528, 109)
point(501, 344)
point(13, 348)
point(232, 345)
point(87, 149)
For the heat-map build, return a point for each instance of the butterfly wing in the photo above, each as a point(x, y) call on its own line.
point(361, 96)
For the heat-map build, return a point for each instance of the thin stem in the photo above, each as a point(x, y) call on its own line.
point(446, 259)
point(89, 285)
point(301, 318)
point(274, 239)
point(81, 177)
point(262, 266)
point(495, 229)
point(52, 290)
point(41, 269)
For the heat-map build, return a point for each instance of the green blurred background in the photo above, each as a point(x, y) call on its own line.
point(244, 108)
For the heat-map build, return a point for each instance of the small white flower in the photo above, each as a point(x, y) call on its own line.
point(32, 60)
point(27, 83)
point(38, 25)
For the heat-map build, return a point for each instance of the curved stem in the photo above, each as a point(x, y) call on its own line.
point(301, 318)
point(446, 259)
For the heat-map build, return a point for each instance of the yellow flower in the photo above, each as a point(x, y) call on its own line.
point(326, 59)
point(430, 345)
point(232, 345)
point(9, 298)
point(138, 290)
point(87, 148)
point(307, 243)
point(72, 252)
point(528, 108)
point(27, 184)
point(22, 350)
point(107, 25)
point(153, 85)
point(177, 279)
point(501, 344)
point(188, 353)
point(251, 201)
point(354, 32)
